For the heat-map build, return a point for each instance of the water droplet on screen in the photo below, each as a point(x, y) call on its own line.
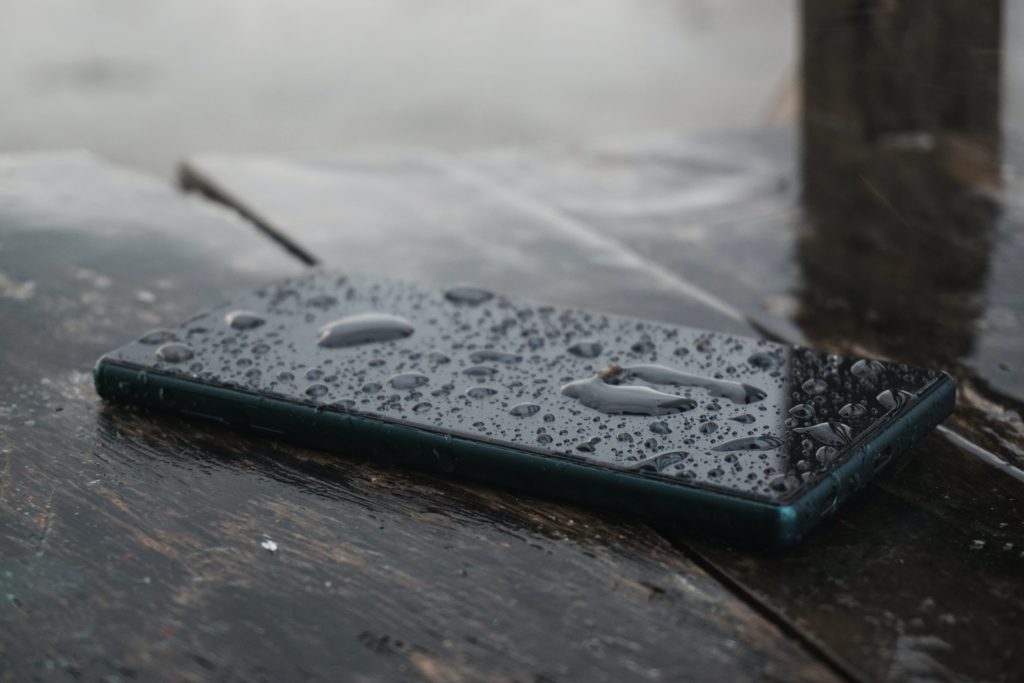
point(708, 427)
point(814, 386)
point(764, 361)
point(479, 371)
point(783, 484)
point(480, 392)
point(737, 392)
point(852, 410)
point(321, 301)
point(660, 428)
point(894, 399)
point(829, 433)
point(750, 443)
point(867, 369)
point(422, 407)
point(364, 328)
point(408, 380)
point(485, 355)
point(661, 462)
point(243, 320)
point(175, 352)
point(616, 399)
point(158, 336)
point(524, 409)
point(468, 296)
point(745, 418)
point(586, 349)
point(316, 390)
point(643, 346)
point(802, 411)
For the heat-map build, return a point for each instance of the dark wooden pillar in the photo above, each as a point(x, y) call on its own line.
point(900, 147)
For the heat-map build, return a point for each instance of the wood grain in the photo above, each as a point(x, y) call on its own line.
point(917, 580)
point(136, 546)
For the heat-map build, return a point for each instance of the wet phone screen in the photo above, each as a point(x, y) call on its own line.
point(742, 416)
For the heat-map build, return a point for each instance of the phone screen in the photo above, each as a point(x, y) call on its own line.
point(745, 416)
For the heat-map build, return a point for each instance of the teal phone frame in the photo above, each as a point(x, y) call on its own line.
point(697, 508)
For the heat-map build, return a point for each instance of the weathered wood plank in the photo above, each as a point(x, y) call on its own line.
point(920, 578)
point(136, 545)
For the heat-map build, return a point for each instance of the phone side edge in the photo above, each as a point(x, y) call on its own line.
point(704, 511)
point(889, 444)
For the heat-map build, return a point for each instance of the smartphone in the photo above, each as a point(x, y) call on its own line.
point(743, 438)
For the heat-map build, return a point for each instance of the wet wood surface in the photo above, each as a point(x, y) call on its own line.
point(920, 578)
point(137, 546)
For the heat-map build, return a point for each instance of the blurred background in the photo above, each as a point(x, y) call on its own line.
point(145, 82)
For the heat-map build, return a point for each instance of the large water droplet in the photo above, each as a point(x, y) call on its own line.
point(852, 411)
point(468, 296)
point(479, 371)
point(158, 336)
point(894, 399)
point(802, 411)
point(175, 352)
point(867, 369)
point(243, 320)
point(408, 380)
point(750, 443)
point(737, 392)
point(829, 433)
point(422, 407)
point(316, 390)
point(364, 328)
point(480, 392)
point(524, 409)
point(616, 399)
point(764, 361)
point(661, 462)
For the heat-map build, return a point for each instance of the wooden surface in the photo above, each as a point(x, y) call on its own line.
point(920, 578)
point(133, 546)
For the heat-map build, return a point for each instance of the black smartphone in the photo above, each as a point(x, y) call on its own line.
point(741, 437)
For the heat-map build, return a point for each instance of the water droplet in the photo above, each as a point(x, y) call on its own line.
point(783, 484)
point(479, 371)
point(867, 369)
point(524, 409)
point(661, 462)
point(314, 374)
point(486, 355)
point(745, 418)
point(364, 328)
point(438, 358)
point(802, 411)
point(814, 386)
point(370, 388)
point(586, 349)
point(737, 392)
point(544, 439)
point(157, 336)
point(852, 411)
point(644, 346)
point(660, 428)
point(750, 443)
point(829, 433)
point(894, 399)
point(764, 361)
point(825, 454)
point(422, 407)
point(708, 427)
point(243, 320)
point(175, 352)
point(468, 296)
point(480, 392)
point(316, 390)
point(408, 380)
point(616, 399)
